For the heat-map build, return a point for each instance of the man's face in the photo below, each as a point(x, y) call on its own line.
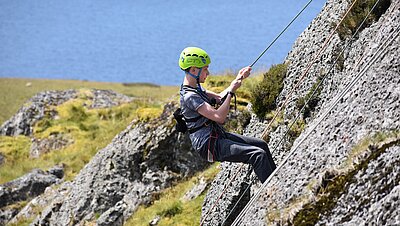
point(204, 74)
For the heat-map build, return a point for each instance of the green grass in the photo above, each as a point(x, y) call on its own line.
point(14, 92)
point(90, 130)
point(172, 210)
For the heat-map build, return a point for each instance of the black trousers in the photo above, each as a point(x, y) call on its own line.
point(233, 147)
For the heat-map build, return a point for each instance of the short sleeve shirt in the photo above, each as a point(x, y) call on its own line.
point(191, 101)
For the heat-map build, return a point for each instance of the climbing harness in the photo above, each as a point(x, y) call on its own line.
point(211, 145)
point(375, 56)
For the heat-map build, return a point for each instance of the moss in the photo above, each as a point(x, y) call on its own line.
point(296, 129)
point(357, 14)
point(238, 122)
point(333, 186)
point(89, 130)
point(172, 210)
point(145, 114)
point(264, 94)
point(338, 55)
point(310, 100)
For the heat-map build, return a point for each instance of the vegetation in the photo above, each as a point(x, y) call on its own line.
point(15, 92)
point(219, 83)
point(170, 207)
point(295, 130)
point(89, 129)
point(334, 186)
point(92, 129)
point(357, 14)
point(264, 94)
point(310, 101)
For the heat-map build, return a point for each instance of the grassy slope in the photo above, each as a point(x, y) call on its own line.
point(14, 92)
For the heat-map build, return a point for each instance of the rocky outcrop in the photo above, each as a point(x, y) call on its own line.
point(43, 104)
point(25, 188)
point(38, 106)
point(140, 161)
point(55, 141)
point(371, 108)
point(107, 98)
point(28, 186)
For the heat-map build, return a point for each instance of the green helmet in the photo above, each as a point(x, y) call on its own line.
point(193, 57)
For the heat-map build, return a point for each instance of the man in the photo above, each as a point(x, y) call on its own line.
point(204, 121)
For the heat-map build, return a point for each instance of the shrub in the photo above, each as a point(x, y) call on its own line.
point(358, 13)
point(172, 210)
point(264, 94)
point(312, 99)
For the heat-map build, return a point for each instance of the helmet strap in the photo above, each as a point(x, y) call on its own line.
point(197, 77)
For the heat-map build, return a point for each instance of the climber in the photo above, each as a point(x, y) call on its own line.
point(203, 119)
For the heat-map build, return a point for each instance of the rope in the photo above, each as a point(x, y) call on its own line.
point(329, 71)
point(307, 69)
point(265, 50)
point(340, 96)
point(294, 18)
point(308, 100)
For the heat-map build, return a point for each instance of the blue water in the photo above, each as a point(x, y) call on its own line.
point(140, 41)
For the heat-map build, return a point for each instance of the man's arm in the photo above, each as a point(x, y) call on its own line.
point(217, 115)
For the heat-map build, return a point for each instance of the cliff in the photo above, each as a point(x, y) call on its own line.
point(145, 158)
point(343, 168)
point(339, 161)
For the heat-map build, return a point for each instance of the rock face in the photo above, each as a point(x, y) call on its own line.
point(53, 142)
point(22, 122)
point(370, 109)
point(108, 98)
point(30, 185)
point(40, 105)
point(25, 188)
point(140, 161)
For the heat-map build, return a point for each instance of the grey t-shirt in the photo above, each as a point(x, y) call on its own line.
point(191, 101)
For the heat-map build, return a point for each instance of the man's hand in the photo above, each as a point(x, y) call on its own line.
point(244, 73)
point(235, 84)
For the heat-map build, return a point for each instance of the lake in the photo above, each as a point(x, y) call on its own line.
point(140, 41)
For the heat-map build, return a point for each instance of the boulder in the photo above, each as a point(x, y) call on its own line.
point(139, 162)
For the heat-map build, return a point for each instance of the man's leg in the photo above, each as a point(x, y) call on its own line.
point(233, 151)
point(255, 142)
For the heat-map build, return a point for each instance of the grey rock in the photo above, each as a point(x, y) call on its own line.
point(28, 186)
point(108, 98)
point(155, 220)
point(196, 191)
point(41, 105)
point(42, 201)
point(7, 214)
point(24, 188)
point(38, 106)
point(371, 106)
point(53, 142)
point(141, 160)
